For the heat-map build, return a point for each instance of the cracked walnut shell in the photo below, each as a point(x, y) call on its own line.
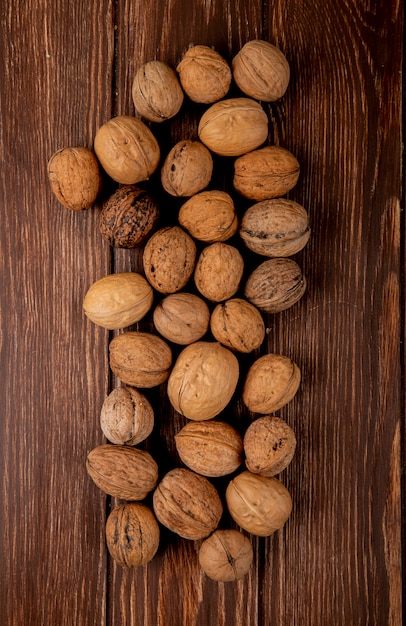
point(271, 382)
point(132, 534)
point(269, 445)
point(126, 417)
point(238, 325)
point(261, 70)
point(226, 555)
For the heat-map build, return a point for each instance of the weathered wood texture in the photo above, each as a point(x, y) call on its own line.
point(65, 68)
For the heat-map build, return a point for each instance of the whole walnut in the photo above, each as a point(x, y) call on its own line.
point(156, 92)
point(118, 300)
point(211, 448)
point(187, 503)
point(204, 74)
point(126, 417)
point(261, 70)
point(132, 534)
point(219, 270)
point(203, 380)
point(122, 471)
point(226, 555)
point(275, 228)
point(271, 382)
point(182, 318)
point(275, 285)
point(127, 149)
point(140, 359)
point(209, 216)
point(269, 445)
point(260, 505)
point(169, 259)
point(75, 177)
point(269, 172)
point(234, 126)
point(238, 325)
point(187, 169)
point(128, 217)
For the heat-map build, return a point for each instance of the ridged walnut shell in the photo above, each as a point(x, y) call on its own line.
point(209, 216)
point(75, 178)
point(122, 471)
point(127, 149)
point(210, 448)
point(203, 380)
point(238, 325)
point(258, 504)
point(226, 555)
point(140, 359)
point(261, 70)
point(169, 259)
point(275, 228)
point(187, 503)
point(126, 417)
point(271, 382)
point(275, 285)
point(219, 270)
point(269, 445)
point(269, 172)
point(204, 74)
point(156, 92)
point(234, 126)
point(132, 534)
point(182, 318)
point(118, 300)
point(187, 168)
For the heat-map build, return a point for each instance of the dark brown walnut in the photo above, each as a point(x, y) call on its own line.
point(226, 555)
point(187, 168)
point(269, 172)
point(188, 504)
point(132, 534)
point(156, 92)
point(269, 445)
point(140, 359)
point(128, 217)
point(169, 259)
point(182, 318)
point(211, 448)
point(75, 177)
point(275, 285)
point(271, 382)
point(204, 74)
point(275, 228)
point(238, 325)
point(122, 471)
point(209, 216)
point(126, 417)
point(219, 270)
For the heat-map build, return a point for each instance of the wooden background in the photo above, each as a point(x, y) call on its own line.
point(65, 68)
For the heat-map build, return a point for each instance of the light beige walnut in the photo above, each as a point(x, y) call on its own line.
point(75, 177)
point(269, 445)
point(182, 318)
point(156, 92)
point(226, 555)
point(238, 325)
point(140, 359)
point(126, 417)
point(219, 270)
point(132, 534)
point(209, 216)
point(204, 74)
point(203, 380)
point(271, 382)
point(275, 285)
point(261, 70)
point(187, 169)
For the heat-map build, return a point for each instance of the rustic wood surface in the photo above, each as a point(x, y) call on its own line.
point(67, 67)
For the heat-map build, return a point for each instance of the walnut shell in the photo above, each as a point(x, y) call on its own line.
point(75, 178)
point(210, 448)
point(275, 285)
point(127, 149)
point(258, 504)
point(169, 259)
point(204, 74)
point(269, 172)
point(271, 382)
point(269, 445)
point(261, 70)
point(187, 168)
point(156, 92)
point(126, 417)
point(140, 359)
point(219, 270)
point(132, 534)
point(118, 300)
point(203, 380)
point(238, 325)
point(226, 555)
point(128, 217)
point(234, 126)
point(209, 216)
point(122, 471)
point(182, 318)
point(187, 503)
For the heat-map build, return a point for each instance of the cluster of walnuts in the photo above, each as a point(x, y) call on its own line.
point(201, 305)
